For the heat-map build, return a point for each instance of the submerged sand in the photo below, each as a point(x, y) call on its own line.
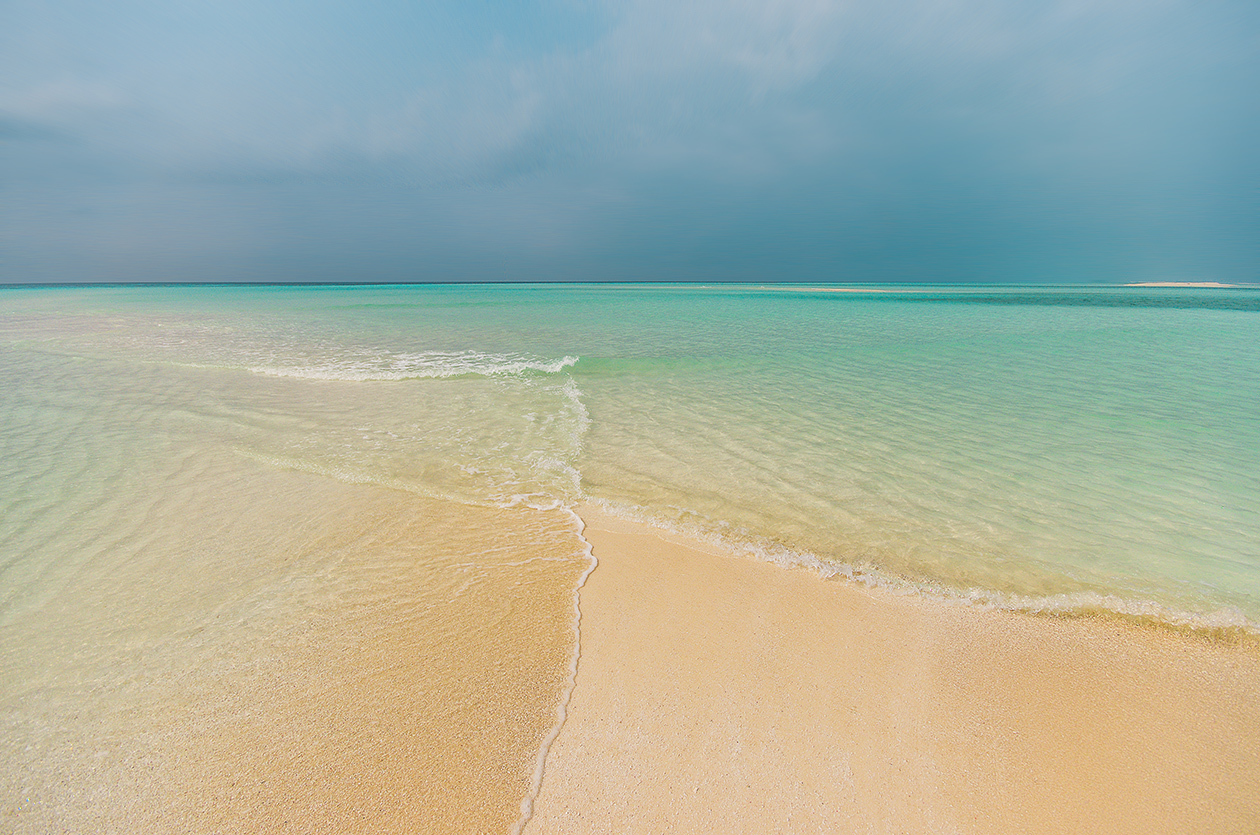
point(280, 652)
point(719, 694)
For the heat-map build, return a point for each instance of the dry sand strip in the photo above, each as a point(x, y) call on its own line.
point(716, 694)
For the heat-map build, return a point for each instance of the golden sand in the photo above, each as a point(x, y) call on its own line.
point(298, 655)
point(719, 694)
point(412, 714)
point(345, 658)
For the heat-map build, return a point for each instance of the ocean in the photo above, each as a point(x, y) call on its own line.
point(210, 492)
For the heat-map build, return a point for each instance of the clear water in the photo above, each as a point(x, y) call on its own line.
point(201, 632)
point(1035, 447)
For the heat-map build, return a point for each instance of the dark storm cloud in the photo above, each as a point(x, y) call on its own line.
point(915, 140)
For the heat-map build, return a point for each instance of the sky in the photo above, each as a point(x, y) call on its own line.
point(1064, 141)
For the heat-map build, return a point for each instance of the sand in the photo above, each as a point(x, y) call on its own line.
point(336, 662)
point(287, 653)
point(719, 694)
point(1179, 284)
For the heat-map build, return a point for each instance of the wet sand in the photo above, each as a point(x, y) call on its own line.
point(279, 652)
point(720, 694)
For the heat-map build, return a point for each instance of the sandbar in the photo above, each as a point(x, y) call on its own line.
point(1179, 284)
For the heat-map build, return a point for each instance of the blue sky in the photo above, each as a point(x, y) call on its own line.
point(797, 140)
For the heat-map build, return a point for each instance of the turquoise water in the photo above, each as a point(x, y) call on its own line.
point(1038, 448)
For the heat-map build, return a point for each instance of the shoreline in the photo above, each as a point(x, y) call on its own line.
point(721, 692)
point(1226, 623)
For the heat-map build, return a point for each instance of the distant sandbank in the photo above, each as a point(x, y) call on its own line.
point(1180, 284)
point(721, 694)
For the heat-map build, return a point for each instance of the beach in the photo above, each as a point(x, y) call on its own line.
point(712, 692)
point(716, 693)
point(580, 418)
point(626, 558)
point(285, 653)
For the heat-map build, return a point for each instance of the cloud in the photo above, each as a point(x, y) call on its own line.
point(912, 137)
point(61, 101)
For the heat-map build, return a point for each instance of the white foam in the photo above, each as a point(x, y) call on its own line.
point(1224, 619)
point(385, 365)
point(562, 707)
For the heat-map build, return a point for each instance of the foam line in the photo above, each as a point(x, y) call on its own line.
point(562, 708)
point(1227, 621)
point(433, 364)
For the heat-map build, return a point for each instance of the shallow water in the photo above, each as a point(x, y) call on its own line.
point(202, 486)
point(195, 639)
point(1019, 441)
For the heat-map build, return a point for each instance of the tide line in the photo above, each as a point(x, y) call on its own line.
point(562, 708)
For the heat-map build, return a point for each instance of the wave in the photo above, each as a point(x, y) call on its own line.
point(1227, 622)
point(368, 366)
